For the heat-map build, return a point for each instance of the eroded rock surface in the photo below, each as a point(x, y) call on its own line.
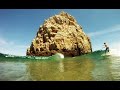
point(60, 33)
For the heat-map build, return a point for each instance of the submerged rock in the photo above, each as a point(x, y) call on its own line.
point(60, 34)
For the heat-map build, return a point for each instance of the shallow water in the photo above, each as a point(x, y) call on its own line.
point(90, 67)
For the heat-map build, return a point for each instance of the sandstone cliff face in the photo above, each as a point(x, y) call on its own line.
point(60, 33)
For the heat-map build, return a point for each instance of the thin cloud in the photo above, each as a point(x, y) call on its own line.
point(3, 42)
point(105, 31)
point(12, 48)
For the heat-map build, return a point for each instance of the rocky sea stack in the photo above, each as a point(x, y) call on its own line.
point(60, 33)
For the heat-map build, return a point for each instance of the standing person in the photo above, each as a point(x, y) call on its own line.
point(107, 48)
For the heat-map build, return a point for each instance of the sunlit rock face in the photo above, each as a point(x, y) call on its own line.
point(60, 34)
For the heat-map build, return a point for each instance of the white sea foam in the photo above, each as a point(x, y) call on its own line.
point(60, 55)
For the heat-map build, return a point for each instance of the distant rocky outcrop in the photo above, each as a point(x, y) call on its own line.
point(60, 33)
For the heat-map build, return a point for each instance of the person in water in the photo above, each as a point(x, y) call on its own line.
point(107, 48)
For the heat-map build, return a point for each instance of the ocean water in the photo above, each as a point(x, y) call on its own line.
point(90, 67)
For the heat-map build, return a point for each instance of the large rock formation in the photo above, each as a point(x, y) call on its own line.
point(60, 33)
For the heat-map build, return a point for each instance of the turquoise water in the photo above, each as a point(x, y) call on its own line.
point(89, 67)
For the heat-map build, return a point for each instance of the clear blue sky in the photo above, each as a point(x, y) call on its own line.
point(18, 27)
